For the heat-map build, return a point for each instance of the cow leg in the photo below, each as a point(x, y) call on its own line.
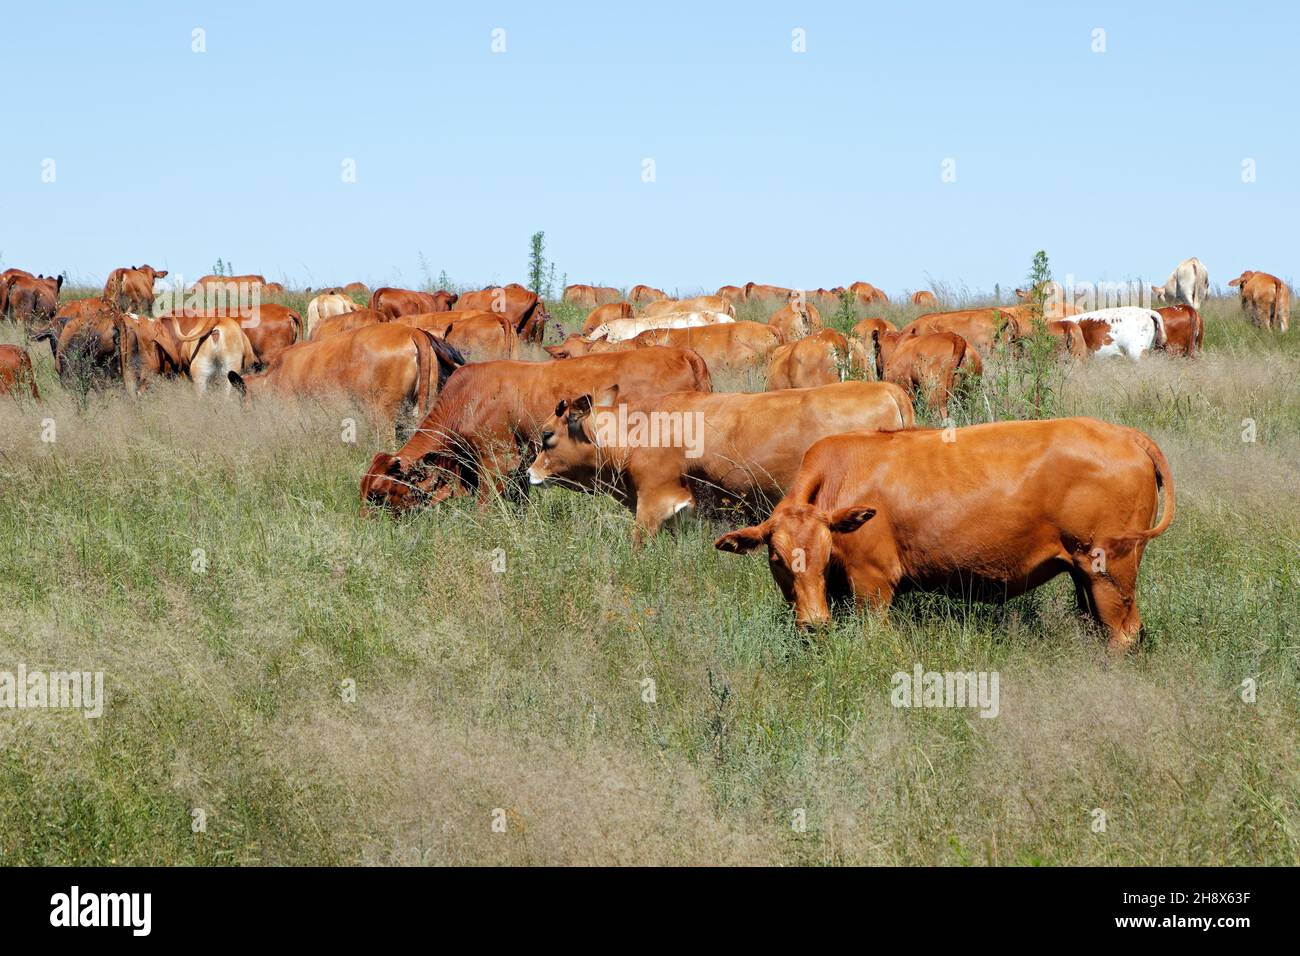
point(653, 509)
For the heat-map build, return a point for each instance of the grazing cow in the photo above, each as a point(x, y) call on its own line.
point(983, 328)
point(822, 358)
point(871, 324)
point(133, 287)
point(477, 435)
point(590, 295)
point(395, 302)
point(755, 292)
point(16, 373)
point(5, 279)
point(391, 368)
point(796, 319)
point(576, 346)
point(645, 293)
point(33, 301)
point(1265, 299)
point(346, 322)
point(605, 313)
point(986, 512)
point(356, 288)
point(1070, 336)
point(667, 453)
point(521, 306)
point(1127, 330)
point(925, 299)
point(93, 348)
point(1186, 285)
point(927, 363)
point(479, 336)
point(273, 288)
point(214, 280)
point(700, 303)
point(210, 347)
point(1184, 329)
point(723, 345)
point(271, 330)
point(329, 304)
point(620, 330)
point(825, 298)
point(156, 352)
point(732, 293)
point(866, 293)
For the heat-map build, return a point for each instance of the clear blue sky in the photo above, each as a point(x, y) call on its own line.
point(802, 169)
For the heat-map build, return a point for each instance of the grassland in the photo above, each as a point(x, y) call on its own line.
point(519, 695)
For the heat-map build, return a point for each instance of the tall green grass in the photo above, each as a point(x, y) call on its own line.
point(520, 695)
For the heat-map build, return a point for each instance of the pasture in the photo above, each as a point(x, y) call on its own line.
point(211, 561)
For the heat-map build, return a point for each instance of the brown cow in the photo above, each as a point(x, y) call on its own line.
point(395, 302)
point(1265, 299)
point(477, 434)
point(347, 322)
point(796, 319)
point(926, 363)
point(925, 299)
point(392, 368)
point(215, 280)
point(866, 293)
point(133, 287)
point(356, 288)
point(480, 336)
point(982, 328)
point(16, 373)
point(576, 346)
point(871, 324)
point(33, 301)
point(93, 348)
point(605, 313)
point(1070, 335)
point(589, 295)
point(1184, 329)
point(645, 293)
point(663, 454)
point(756, 292)
point(725, 345)
point(732, 293)
point(325, 305)
point(822, 358)
point(271, 330)
point(5, 278)
point(521, 306)
point(985, 512)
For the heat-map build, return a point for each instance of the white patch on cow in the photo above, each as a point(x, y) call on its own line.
point(1133, 330)
point(534, 478)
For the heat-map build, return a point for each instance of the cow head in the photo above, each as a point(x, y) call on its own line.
point(399, 487)
point(571, 451)
point(799, 551)
point(572, 347)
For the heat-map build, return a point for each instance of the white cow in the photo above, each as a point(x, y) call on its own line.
point(1127, 330)
point(620, 330)
point(1187, 285)
point(325, 306)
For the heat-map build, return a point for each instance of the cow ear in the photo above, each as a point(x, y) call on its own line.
point(580, 408)
point(850, 519)
point(559, 409)
point(744, 539)
point(608, 398)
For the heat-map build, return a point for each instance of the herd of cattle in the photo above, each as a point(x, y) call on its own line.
point(851, 499)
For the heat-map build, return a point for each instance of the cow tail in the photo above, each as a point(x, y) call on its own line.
point(958, 354)
point(424, 371)
point(703, 380)
point(1282, 306)
point(296, 319)
point(1122, 545)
